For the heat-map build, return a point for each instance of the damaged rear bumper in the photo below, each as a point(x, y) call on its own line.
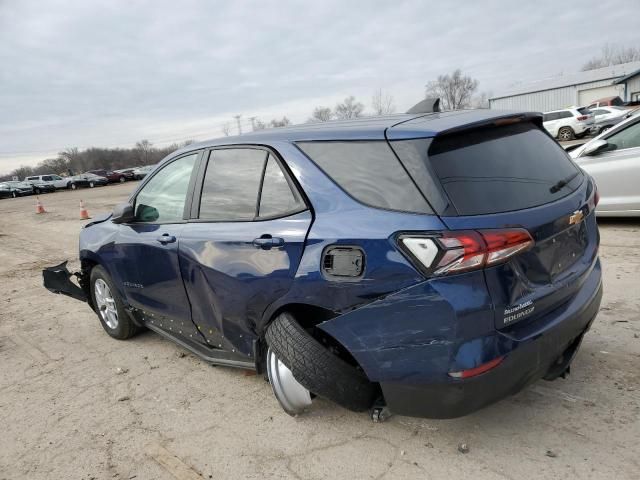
point(411, 341)
point(57, 279)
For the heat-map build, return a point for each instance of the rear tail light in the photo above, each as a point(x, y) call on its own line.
point(464, 250)
point(583, 117)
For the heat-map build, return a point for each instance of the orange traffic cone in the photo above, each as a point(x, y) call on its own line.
point(84, 215)
point(39, 207)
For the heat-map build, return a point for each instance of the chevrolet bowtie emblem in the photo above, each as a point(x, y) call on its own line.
point(576, 217)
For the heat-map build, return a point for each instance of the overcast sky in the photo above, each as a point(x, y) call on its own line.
point(113, 72)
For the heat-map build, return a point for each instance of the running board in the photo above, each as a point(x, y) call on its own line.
point(210, 355)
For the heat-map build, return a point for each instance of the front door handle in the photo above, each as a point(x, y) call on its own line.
point(166, 238)
point(266, 242)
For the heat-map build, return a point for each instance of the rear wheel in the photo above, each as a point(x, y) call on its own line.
point(91, 185)
point(313, 367)
point(109, 307)
point(566, 133)
point(73, 186)
point(14, 194)
point(37, 191)
point(121, 179)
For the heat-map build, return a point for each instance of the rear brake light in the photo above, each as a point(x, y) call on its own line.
point(464, 250)
point(583, 117)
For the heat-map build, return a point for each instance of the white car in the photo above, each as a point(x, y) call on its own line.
point(55, 180)
point(607, 117)
point(568, 123)
point(613, 160)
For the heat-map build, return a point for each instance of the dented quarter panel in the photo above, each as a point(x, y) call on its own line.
point(416, 335)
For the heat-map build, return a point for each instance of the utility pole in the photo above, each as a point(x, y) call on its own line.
point(237, 117)
point(253, 123)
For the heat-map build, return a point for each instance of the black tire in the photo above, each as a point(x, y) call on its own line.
point(37, 191)
point(121, 179)
point(91, 185)
point(72, 186)
point(566, 133)
point(14, 194)
point(316, 368)
point(125, 327)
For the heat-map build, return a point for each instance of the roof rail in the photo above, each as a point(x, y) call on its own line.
point(428, 105)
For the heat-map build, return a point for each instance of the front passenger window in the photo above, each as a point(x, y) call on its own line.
point(162, 199)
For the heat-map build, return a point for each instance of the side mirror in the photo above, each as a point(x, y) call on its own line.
point(123, 213)
point(595, 147)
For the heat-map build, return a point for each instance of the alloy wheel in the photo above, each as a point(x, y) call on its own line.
point(105, 303)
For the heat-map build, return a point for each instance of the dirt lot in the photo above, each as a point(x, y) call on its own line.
point(75, 403)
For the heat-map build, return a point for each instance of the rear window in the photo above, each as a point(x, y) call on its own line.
point(369, 172)
point(584, 111)
point(499, 169)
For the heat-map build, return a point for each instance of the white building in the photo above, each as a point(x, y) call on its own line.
point(579, 89)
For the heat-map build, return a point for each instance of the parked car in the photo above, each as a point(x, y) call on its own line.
point(56, 180)
point(111, 176)
point(29, 188)
point(613, 160)
point(607, 117)
point(568, 123)
point(87, 180)
point(127, 172)
point(429, 264)
point(141, 172)
point(10, 189)
point(614, 101)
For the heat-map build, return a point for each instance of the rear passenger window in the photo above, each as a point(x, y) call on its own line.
point(369, 172)
point(278, 197)
point(231, 184)
point(46, 178)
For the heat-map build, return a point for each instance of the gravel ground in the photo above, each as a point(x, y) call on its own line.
point(75, 403)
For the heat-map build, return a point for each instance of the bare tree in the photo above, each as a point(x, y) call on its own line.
point(144, 148)
point(481, 100)
point(613, 55)
point(275, 123)
point(350, 108)
point(455, 90)
point(226, 129)
point(382, 103)
point(320, 114)
point(258, 124)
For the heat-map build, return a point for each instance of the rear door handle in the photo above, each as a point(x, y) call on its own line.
point(266, 242)
point(166, 238)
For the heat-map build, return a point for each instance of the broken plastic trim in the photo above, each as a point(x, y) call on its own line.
point(57, 279)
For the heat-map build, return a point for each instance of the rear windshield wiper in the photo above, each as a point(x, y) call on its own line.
point(563, 183)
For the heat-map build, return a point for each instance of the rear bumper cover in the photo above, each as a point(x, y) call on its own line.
point(412, 364)
point(529, 362)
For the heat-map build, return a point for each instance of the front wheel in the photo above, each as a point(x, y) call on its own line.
point(121, 179)
point(14, 194)
point(91, 185)
point(109, 306)
point(73, 186)
point(37, 191)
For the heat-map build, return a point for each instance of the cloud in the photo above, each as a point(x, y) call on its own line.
point(111, 73)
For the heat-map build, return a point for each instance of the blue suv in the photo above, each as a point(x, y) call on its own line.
point(428, 264)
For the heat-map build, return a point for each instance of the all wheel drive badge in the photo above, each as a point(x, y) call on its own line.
point(576, 217)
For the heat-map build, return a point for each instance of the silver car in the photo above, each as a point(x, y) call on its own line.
point(613, 160)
